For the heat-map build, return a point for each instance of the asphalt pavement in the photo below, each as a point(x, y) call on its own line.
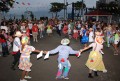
point(45, 70)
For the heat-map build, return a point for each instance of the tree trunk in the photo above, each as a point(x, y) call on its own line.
point(56, 15)
point(52, 15)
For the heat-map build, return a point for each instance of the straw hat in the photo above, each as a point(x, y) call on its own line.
point(65, 41)
point(99, 40)
point(24, 40)
point(18, 33)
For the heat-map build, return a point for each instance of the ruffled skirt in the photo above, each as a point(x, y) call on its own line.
point(95, 62)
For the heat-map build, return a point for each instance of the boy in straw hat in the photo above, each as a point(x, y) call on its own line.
point(16, 49)
point(95, 61)
point(63, 62)
point(24, 63)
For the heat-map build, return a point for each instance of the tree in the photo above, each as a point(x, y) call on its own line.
point(112, 7)
point(5, 5)
point(56, 7)
point(22, 17)
point(79, 5)
point(32, 15)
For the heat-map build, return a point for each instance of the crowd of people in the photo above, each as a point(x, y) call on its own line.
point(18, 34)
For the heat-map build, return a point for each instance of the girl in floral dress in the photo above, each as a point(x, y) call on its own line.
point(24, 63)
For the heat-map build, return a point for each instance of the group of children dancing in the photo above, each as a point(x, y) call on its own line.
point(23, 50)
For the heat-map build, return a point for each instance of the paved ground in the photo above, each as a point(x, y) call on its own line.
point(45, 70)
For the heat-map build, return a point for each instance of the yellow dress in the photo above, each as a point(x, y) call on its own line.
point(49, 30)
point(95, 62)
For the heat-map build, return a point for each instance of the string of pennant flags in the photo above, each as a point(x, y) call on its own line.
point(23, 3)
point(29, 5)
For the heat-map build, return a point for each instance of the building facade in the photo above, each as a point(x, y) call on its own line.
point(106, 1)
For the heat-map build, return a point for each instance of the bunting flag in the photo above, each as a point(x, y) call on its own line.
point(23, 3)
point(28, 3)
point(17, 2)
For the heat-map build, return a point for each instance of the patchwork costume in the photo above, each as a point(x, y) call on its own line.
point(63, 61)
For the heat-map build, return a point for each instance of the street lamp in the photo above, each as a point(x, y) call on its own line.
point(65, 9)
point(82, 11)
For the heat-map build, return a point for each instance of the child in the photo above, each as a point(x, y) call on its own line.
point(35, 32)
point(75, 33)
point(63, 61)
point(24, 63)
point(3, 40)
point(116, 41)
point(16, 49)
point(65, 29)
point(69, 33)
point(85, 38)
point(91, 35)
point(95, 61)
point(49, 30)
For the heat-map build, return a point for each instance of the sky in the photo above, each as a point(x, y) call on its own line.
point(43, 6)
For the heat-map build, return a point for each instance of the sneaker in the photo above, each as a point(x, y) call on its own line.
point(104, 71)
point(23, 80)
point(58, 78)
point(28, 77)
point(66, 78)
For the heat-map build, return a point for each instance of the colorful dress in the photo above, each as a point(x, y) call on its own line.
point(49, 30)
point(24, 63)
point(75, 35)
point(95, 59)
point(85, 38)
point(65, 29)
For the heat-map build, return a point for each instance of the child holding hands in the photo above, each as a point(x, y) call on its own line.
point(24, 63)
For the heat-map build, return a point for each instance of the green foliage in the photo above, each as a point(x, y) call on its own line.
point(79, 5)
point(112, 8)
point(22, 17)
point(56, 7)
point(5, 5)
point(32, 15)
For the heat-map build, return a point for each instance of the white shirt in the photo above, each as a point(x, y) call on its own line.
point(69, 26)
point(91, 35)
point(79, 25)
point(15, 46)
point(41, 27)
point(96, 47)
point(30, 25)
point(60, 26)
point(22, 28)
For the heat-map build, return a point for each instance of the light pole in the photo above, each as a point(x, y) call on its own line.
point(65, 9)
point(82, 11)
